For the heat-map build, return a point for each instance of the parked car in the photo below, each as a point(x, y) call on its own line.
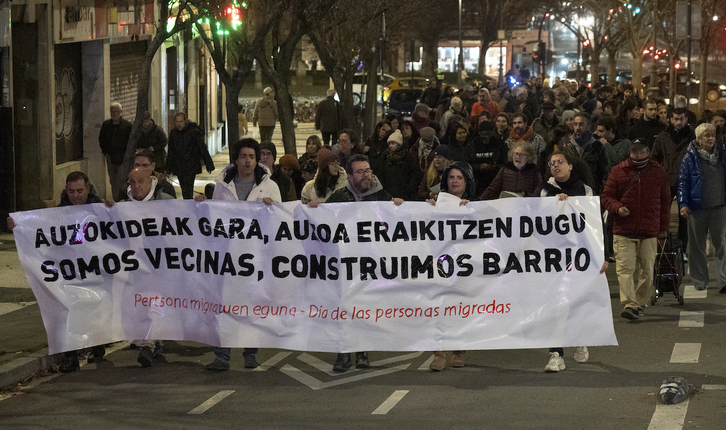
point(403, 83)
point(714, 91)
point(359, 80)
point(402, 102)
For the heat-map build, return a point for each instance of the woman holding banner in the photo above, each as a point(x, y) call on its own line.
point(563, 183)
point(458, 186)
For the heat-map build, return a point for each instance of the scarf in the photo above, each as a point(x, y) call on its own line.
point(711, 158)
point(527, 136)
point(639, 163)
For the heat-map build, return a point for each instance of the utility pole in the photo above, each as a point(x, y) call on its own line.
point(690, 52)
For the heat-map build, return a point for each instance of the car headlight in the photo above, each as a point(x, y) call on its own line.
point(722, 87)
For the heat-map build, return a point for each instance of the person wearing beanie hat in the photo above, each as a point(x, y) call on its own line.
point(431, 181)
point(400, 174)
point(568, 118)
point(291, 168)
point(266, 114)
point(329, 178)
point(422, 150)
point(290, 163)
point(546, 123)
point(308, 170)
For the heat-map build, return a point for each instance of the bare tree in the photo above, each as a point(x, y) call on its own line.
point(635, 23)
point(232, 46)
point(142, 99)
point(666, 13)
point(710, 32)
point(297, 19)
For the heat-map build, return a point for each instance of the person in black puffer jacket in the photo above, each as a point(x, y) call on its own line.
point(187, 150)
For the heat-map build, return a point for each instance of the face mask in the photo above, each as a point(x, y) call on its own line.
point(639, 163)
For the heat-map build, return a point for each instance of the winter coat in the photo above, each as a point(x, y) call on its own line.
point(156, 190)
point(490, 151)
point(645, 193)
point(690, 178)
point(593, 153)
point(265, 112)
point(114, 138)
point(155, 137)
point(310, 195)
point(490, 107)
point(646, 129)
point(91, 198)
point(187, 150)
point(541, 127)
point(328, 116)
point(374, 194)
point(461, 151)
point(509, 178)
point(552, 187)
point(424, 163)
point(420, 122)
point(669, 149)
point(617, 151)
point(224, 188)
point(401, 174)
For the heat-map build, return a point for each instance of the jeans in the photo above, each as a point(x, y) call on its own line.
point(266, 132)
point(700, 223)
point(224, 353)
point(327, 137)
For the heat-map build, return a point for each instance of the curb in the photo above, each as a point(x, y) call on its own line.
point(18, 370)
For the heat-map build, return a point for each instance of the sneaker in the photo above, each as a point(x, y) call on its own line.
point(97, 354)
point(641, 312)
point(630, 313)
point(556, 363)
point(217, 366)
point(251, 361)
point(361, 360)
point(342, 363)
point(146, 357)
point(457, 359)
point(581, 354)
point(158, 349)
point(722, 290)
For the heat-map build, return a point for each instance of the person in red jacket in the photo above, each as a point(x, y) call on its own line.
point(637, 195)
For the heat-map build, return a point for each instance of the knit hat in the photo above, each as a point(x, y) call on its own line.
point(310, 166)
point(442, 150)
point(269, 145)
point(289, 161)
point(267, 91)
point(589, 106)
point(397, 137)
point(568, 114)
point(427, 134)
point(548, 106)
point(325, 157)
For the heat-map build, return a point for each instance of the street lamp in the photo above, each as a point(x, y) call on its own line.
point(461, 51)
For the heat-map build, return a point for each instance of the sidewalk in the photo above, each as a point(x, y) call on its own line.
point(23, 340)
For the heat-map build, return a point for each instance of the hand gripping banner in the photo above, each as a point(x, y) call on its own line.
point(512, 273)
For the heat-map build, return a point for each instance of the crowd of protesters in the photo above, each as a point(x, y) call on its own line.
point(486, 143)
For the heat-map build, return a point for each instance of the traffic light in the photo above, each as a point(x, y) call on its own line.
point(540, 55)
point(585, 52)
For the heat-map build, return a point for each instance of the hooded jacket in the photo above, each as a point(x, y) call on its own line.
point(646, 194)
point(310, 195)
point(690, 178)
point(155, 137)
point(468, 173)
point(224, 188)
point(374, 194)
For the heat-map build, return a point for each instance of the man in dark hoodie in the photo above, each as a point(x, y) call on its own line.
point(154, 139)
point(489, 156)
point(649, 126)
point(186, 151)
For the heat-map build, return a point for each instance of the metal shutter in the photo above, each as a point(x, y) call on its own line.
point(126, 59)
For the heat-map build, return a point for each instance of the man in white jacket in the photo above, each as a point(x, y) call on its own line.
point(245, 180)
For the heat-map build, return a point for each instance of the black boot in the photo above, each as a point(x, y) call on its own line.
point(342, 363)
point(361, 360)
point(69, 363)
point(97, 353)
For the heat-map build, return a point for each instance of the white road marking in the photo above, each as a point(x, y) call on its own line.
point(713, 387)
point(271, 362)
point(396, 359)
point(686, 353)
point(211, 402)
point(690, 292)
point(427, 363)
point(669, 417)
point(316, 384)
point(691, 319)
point(390, 402)
point(6, 308)
point(319, 364)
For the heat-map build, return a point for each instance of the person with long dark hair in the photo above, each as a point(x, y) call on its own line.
point(329, 178)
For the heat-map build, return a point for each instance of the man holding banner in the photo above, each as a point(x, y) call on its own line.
point(245, 180)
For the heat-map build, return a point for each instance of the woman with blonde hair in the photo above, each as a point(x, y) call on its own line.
point(431, 182)
point(519, 176)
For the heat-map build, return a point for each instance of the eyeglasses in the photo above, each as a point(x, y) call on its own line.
point(554, 163)
point(519, 154)
point(362, 172)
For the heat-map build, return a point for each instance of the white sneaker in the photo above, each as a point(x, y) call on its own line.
point(581, 354)
point(556, 363)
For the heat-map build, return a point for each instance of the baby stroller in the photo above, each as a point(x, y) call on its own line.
point(669, 268)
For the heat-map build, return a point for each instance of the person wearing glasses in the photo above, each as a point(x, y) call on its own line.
point(565, 182)
point(363, 186)
point(519, 176)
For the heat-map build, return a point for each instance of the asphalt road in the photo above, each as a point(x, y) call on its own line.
point(616, 389)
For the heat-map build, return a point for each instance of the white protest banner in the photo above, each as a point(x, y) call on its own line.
point(512, 273)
